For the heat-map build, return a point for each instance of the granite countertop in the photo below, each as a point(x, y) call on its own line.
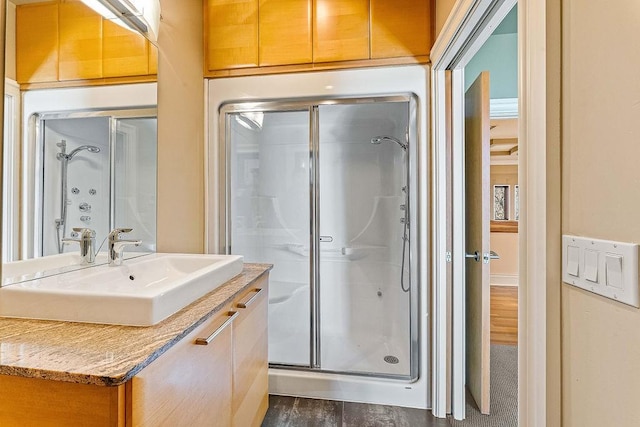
point(106, 355)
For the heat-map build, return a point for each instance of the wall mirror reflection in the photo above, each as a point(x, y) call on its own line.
point(80, 137)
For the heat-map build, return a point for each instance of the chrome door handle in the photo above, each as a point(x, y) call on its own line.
point(327, 239)
point(226, 322)
point(475, 256)
point(489, 256)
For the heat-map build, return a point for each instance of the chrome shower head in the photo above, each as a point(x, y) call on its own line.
point(378, 139)
point(89, 148)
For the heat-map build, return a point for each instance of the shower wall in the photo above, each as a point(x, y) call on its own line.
point(87, 179)
point(95, 188)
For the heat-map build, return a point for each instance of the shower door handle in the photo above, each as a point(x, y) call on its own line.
point(326, 239)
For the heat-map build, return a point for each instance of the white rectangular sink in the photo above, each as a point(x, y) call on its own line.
point(140, 292)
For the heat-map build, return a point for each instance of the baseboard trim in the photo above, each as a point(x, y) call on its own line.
point(504, 280)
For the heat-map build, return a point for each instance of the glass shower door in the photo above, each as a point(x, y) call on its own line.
point(364, 287)
point(134, 179)
point(269, 215)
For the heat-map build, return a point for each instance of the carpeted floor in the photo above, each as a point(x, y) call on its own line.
point(504, 392)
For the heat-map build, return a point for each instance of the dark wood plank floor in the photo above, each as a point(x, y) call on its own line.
point(287, 411)
point(504, 315)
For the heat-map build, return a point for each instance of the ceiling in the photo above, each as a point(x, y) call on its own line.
point(504, 141)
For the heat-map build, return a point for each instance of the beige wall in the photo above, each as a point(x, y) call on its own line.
point(600, 186)
point(505, 245)
point(181, 128)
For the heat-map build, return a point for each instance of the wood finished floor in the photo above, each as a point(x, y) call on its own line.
point(287, 411)
point(504, 315)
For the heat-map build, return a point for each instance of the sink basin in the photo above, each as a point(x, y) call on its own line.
point(36, 268)
point(140, 292)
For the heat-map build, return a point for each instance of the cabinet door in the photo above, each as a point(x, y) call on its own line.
point(231, 34)
point(124, 53)
point(80, 42)
point(285, 32)
point(340, 30)
point(250, 353)
point(400, 28)
point(37, 42)
point(190, 384)
point(153, 59)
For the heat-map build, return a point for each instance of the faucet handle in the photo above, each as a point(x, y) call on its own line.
point(85, 232)
point(115, 233)
point(123, 230)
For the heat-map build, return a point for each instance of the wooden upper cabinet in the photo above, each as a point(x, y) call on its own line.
point(37, 42)
point(340, 30)
point(80, 42)
point(153, 59)
point(124, 53)
point(231, 35)
point(285, 32)
point(400, 28)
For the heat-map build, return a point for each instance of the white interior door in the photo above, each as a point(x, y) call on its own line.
point(477, 216)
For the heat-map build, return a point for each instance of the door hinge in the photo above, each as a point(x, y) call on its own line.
point(447, 256)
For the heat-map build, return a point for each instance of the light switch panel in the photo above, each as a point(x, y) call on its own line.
point(591, 265)
point(603, 267)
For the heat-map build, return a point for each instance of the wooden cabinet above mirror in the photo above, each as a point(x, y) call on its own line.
point(263, 37)
point(65, 43)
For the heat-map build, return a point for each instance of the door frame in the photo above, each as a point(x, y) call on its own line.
point(312, 105)
point(469, 25)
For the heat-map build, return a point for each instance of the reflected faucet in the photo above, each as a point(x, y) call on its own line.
point(117, 245)
point(87, 242)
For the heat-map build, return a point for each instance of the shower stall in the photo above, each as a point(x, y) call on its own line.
point(325, 191)
point(94, 169)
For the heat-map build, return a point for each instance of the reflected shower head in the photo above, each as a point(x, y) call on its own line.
point(89, 148)
point(378, 139)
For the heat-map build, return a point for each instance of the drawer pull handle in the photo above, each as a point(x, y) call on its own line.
point(248, 302)
point(227, 322)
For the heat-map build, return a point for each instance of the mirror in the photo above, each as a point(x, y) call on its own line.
point(80, 155)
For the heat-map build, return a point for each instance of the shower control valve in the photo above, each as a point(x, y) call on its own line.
point(85, 218)
point(75, 190)
point(84, 207)
point(92, 191)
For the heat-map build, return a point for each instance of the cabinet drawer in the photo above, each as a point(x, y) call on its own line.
point(190, 384)
point(250, 364)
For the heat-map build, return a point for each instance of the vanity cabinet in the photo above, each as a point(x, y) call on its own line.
point(215, 375)
point(244, 37)
point(190, 384)
point(250, 365)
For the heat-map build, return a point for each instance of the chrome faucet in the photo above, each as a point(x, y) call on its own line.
point(87, 242)
point(116, 245)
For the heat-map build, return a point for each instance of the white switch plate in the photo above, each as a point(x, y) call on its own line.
point(606, 250)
